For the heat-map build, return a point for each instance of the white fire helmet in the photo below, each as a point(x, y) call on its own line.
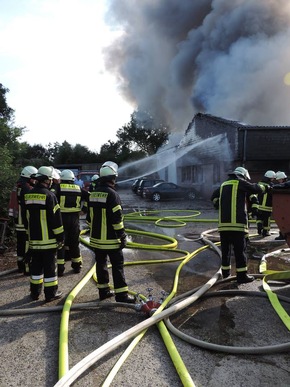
point(95, 177)
point(45, 172)
point(28, 171)
point(242, 172)
point(56, 174)
point(68, 175)
point(280, 175)
point(109, 168)
point(111, 164)
point(270, 174)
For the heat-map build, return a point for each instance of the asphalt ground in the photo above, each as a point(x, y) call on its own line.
point(243, 319)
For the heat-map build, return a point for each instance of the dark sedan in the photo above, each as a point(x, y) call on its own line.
point(161, 191)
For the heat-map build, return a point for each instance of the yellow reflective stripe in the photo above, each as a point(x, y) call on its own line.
point(49, 284)
point(43, 223)
point(100, 197)
point(61, 202)
point(235, 225)
point(70, 188)
point(102, 286)
point(55, 208)
point(241, 269)
point(104, 225)
point(121, 290)
point(225, 267)
point(58, 230)
point(32, 198)
point(265, 208)
point(234, 203)
point(118, 226)
point(77, 260)
point(60, 261)
point(70, 209)
point(43, 244)
point(36, 279)
point(36, 282)
point(117, 208)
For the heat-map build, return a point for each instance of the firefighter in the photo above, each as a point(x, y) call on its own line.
point(281, 177)
point(265, 204)
point(94, 183)
point(24, 185)
point(231, 200)
point(55, 180)
point(43, 222)
point(92, 187)
point(107, 234)
point(69, 196)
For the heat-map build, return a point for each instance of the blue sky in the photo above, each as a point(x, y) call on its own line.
point(51, 61)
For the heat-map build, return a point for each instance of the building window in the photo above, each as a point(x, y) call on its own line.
point(187, 174)
point(191, 174)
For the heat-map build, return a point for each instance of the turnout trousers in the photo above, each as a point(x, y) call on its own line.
point(117, 261)
point(71, 249)
point(237, 239)
point(21, 246)
point(43, 271)
point(263, 221)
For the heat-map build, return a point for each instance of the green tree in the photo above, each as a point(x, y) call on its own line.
point(142, 134)
point(5, 111)
point(109, 151)
point(10, 150)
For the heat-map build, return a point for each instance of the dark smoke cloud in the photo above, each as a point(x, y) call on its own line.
point(223, 57)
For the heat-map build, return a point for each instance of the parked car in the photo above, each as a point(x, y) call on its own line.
point(135, 185)
point(147, 183)
point(161, 191)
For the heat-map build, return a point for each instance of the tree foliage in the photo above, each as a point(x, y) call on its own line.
point(5, 111)
point(142, 134)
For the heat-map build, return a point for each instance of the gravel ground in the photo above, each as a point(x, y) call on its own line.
point(30, 342)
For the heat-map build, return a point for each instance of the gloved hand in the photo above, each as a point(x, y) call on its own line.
point(124, 240)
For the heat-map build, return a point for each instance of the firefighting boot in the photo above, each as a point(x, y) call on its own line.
point(259, 228)
point(244, 278)
point(60, 270)
point(225, 273)
point(76, 266)
point(265, 233)
point(125, 297)
point(105, 293)
point(53, 297)
point(281, 237)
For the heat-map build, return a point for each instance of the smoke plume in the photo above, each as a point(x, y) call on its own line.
point(226, 58)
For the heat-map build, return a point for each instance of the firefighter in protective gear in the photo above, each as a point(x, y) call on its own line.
point(69, 196)
point(265, 204)
point(281, 177)
point(43, 222)
point(55, 180)
point(94, 183)
point(24, 185)
point(231, 198)
point(107, 234)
